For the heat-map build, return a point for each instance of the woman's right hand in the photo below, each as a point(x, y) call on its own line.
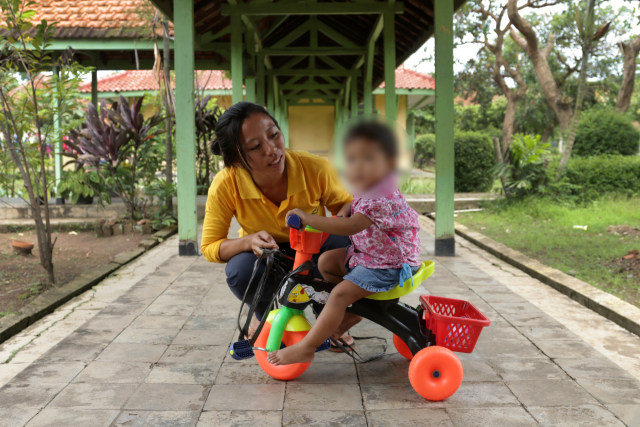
point(261, 240)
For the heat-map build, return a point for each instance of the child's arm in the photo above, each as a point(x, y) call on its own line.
point(332, 225)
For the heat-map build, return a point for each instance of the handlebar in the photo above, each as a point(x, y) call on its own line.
point(294, 222)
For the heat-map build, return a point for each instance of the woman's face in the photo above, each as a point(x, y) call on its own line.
point(263, 144)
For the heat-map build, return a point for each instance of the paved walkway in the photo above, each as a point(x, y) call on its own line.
point(148, 347)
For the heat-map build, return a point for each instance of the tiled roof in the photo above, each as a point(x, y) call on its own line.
point(144, 80)
point(129, 81)
point(96, 18)
point(411, 79)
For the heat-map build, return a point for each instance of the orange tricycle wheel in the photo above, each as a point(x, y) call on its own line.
point(282, 372)
point(435, 373)
point(402, 347)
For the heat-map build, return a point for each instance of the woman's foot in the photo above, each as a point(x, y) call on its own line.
point(346, 341)
point(295, 354)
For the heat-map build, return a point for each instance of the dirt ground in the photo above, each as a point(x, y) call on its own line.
point(21, 277)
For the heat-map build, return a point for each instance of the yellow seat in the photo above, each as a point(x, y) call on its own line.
point(425, 270)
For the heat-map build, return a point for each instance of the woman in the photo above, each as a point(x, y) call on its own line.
point(260, 183)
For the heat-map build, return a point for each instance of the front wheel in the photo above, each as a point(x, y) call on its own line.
point(435, 373)
point(402, 347)
point(282, 372)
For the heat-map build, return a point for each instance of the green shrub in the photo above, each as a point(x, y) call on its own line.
point(605, 131)
point(589, 177)
point(474, 161)
point(524, 173)
point(425, 150)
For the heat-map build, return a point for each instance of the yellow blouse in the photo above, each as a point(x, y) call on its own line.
point(312, 185)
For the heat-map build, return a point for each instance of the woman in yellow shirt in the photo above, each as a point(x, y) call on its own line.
point(260, 183)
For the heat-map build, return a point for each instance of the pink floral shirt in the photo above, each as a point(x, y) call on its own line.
point(392, 239)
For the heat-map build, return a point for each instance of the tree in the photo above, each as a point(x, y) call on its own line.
point(29, 111)
point(527, 38)
point(629, 56)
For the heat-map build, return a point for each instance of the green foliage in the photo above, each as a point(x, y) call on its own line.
point(418, 185)
point(425, 150)
point(161, 190)
point(474, 160)
point(523, 172)
point(207, 113)
point(477, 117)
point(606, 131)
point(119, 142)
point(587, 178)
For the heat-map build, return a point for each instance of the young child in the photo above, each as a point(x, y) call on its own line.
point(385, 246)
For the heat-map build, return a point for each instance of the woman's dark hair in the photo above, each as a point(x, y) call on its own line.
point(375, 132)
point(228, 141)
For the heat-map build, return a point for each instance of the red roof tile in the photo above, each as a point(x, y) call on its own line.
point(411, 79)
point(96, 18)
point(143, 80)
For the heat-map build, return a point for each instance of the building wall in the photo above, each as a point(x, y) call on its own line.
point(311, 129)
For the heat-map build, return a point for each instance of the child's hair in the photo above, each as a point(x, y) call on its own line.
point(376, 132)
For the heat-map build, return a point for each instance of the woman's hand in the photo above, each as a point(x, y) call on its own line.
point(345, 210)
point(261, 240)
point(302, 214)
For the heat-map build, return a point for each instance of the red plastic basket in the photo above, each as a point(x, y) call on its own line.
point(455, 323)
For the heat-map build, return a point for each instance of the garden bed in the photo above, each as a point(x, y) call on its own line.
point(544, 230)
point(74, 254)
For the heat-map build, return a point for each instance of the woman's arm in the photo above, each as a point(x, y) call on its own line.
point(340, 226)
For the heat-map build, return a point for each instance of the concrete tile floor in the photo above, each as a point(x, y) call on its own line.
point(148, 347)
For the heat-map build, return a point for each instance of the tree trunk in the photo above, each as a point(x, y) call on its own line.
point(538, 56)
point(582, 88)
point(508, 121)
point(168, 156)
point(629, 55)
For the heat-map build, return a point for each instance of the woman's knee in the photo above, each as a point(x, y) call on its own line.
point(238, 270)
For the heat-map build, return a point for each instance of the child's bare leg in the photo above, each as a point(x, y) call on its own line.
point(332, 267)
point(343, 295)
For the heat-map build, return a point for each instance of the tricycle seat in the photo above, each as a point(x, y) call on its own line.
point(426, 269)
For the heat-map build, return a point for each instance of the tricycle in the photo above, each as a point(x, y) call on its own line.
point(426, 335)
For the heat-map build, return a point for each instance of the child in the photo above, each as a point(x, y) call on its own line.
point(385, 246)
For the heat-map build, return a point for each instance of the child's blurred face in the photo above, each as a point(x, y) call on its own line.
point(366, 163)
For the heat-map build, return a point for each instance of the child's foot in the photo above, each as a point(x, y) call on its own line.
point(294, 354)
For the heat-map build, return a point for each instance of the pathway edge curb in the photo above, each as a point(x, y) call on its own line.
point(46, 303)
point(609, 306)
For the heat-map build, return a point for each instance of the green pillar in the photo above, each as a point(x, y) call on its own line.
point(389, 34)
point(411, 131)
point(57, 136)
point(236, 58)
point(94, 87)
point(260, 90)
point(285, 126)
point(354, 96)
point(445, 241)
point(337, 126)
point(185, 126)
point(368, 81)
point(250, 89)
point(270, 96)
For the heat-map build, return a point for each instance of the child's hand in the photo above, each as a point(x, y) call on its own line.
point(302, 214)
point(345, 210)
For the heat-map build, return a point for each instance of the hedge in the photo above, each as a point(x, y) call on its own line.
point(425, 150)
point(605, 131)
point(589, 177)
point(474, 159)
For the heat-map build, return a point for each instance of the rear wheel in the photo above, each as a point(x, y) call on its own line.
point(435, 373)
point(402, 347)
point(282, 372)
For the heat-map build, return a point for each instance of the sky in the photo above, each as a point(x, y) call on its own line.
point(420, 61)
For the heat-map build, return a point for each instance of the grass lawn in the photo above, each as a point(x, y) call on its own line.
point(544, 230)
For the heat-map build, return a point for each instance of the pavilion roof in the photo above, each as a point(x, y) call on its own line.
point(144, 80)
point(97, 18)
